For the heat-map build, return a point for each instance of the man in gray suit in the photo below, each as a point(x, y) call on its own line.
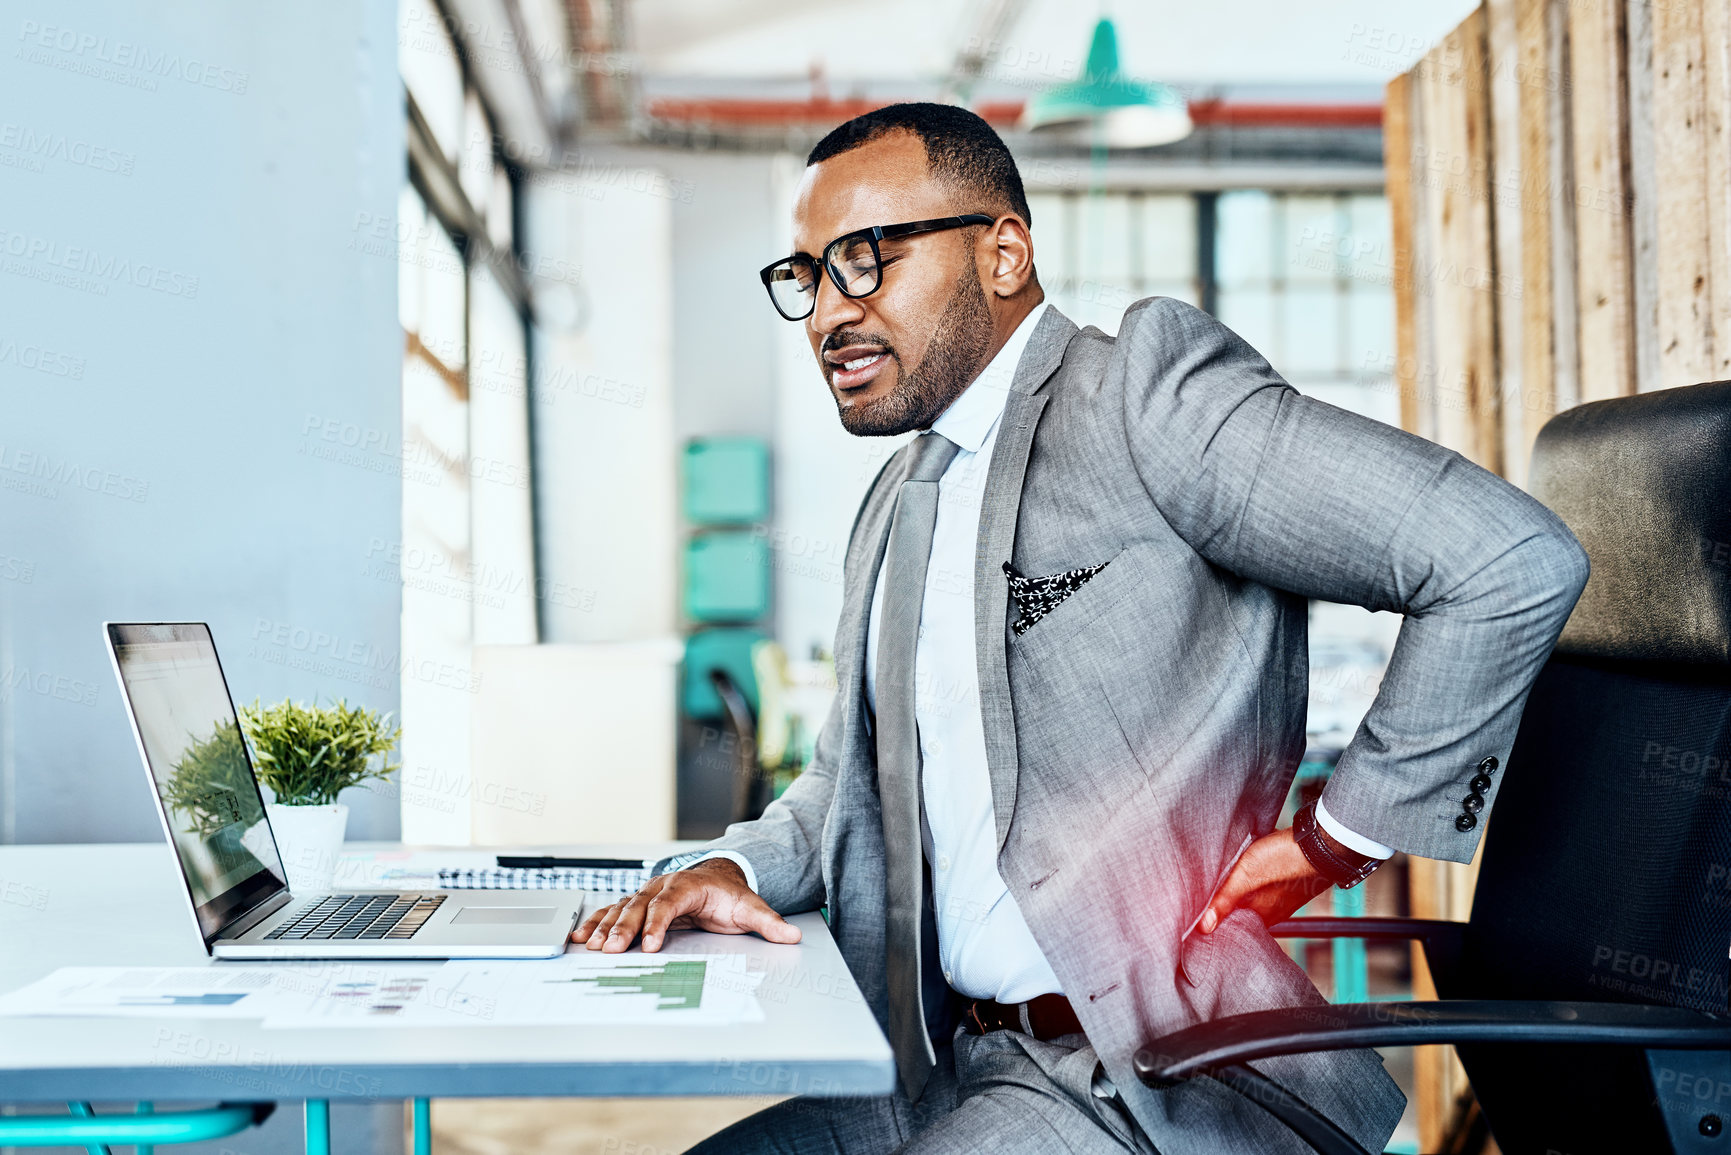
point(1071, 679)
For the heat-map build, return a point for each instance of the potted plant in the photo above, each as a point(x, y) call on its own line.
point(307, 755)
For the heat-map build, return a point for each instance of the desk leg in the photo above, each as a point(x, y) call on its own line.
point(423, 1130)
point(145, 1148)
point(318, 1127)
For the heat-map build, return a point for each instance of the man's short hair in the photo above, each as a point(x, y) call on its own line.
point(962, 151)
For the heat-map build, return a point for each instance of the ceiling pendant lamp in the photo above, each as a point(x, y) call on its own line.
point(1122, 113)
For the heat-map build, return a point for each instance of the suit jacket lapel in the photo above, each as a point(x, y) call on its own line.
point(999, 509)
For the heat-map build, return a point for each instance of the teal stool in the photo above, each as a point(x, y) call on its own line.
point(144, 1130)
point(147, 1129)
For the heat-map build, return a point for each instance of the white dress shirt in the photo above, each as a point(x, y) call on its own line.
point(984, 945)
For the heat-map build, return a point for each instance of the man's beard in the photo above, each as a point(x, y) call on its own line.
point(954, 357)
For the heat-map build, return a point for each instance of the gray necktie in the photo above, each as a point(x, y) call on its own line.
point(898, 749)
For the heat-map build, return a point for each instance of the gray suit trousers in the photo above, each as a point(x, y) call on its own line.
point(999, 1092)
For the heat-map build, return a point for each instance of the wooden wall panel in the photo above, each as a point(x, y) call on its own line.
point(1432, 1072)
point(1599, 123)
point(1565, 288)
point(1461, 278)
point(1574, 156)
point(1426, 228)
point(1443, 253)
point(1538, 107)
point(1482, 289)
point(1397, 166)
point(1508, 187)
point(1442, 890)
point(1643, 192)
point(1716, 145)
point(1685, 327)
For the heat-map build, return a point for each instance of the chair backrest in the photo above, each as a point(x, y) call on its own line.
point(1607, 865)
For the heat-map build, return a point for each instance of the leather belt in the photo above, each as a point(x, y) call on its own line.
point(1044, 1017)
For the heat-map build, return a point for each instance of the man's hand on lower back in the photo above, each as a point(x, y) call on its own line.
point(1272, 877)
point(709, 896)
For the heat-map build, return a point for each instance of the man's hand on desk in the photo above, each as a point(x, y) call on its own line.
point(1272, 877)
point(710, 896)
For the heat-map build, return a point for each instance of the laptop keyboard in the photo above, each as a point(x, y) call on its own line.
point(361, 916)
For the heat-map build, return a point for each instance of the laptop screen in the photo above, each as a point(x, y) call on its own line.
point(200, 766)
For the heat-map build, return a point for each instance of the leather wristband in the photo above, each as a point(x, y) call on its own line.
point(1342, 866)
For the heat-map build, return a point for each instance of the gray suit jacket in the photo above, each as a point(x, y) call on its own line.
point(1147, 729)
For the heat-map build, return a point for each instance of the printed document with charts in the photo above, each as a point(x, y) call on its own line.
point(580, 988)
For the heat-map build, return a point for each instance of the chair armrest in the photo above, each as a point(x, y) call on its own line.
point(1223, 1043)
point(1368, 928)
point(1440, 938)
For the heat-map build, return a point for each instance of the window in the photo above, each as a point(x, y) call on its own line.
point(1099, 254)
point(466, 558)
point(1304, 277)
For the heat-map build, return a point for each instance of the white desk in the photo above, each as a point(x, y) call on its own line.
point(111, 905)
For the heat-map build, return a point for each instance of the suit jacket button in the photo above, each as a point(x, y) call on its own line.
point(1480, 784)
point(1465, 823)
point(1489, 765)
point(1473, 803)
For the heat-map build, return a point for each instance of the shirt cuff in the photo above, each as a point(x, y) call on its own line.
point(1350, 839)
point(738, 860)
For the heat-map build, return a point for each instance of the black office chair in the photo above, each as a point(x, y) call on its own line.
point(1588, 992)
point(751, 786)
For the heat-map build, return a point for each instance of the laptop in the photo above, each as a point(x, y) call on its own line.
point(208, 797)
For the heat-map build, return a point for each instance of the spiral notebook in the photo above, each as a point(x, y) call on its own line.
point(611, 880)
point(615, 881)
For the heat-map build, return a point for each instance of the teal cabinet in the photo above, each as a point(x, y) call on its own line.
point(726, 576)
point(725, 481)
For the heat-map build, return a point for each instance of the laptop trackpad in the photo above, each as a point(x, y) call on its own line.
point(504, 915)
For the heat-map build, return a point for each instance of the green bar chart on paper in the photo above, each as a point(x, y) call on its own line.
point(588, 988)
point(677, 985)
point(581, 988)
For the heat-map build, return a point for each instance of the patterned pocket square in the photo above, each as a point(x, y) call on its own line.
point(1037, 597)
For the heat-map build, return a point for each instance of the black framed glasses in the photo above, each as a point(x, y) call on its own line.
point(852, 261)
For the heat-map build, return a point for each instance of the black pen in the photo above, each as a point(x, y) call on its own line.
point(544, 861)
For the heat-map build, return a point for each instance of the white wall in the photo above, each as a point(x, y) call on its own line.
point(726, 226)
point(574, 743)
point(564, 729)
point(210, 433)
point(602, 408)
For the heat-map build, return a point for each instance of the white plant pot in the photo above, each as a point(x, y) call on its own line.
point(309, 838)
